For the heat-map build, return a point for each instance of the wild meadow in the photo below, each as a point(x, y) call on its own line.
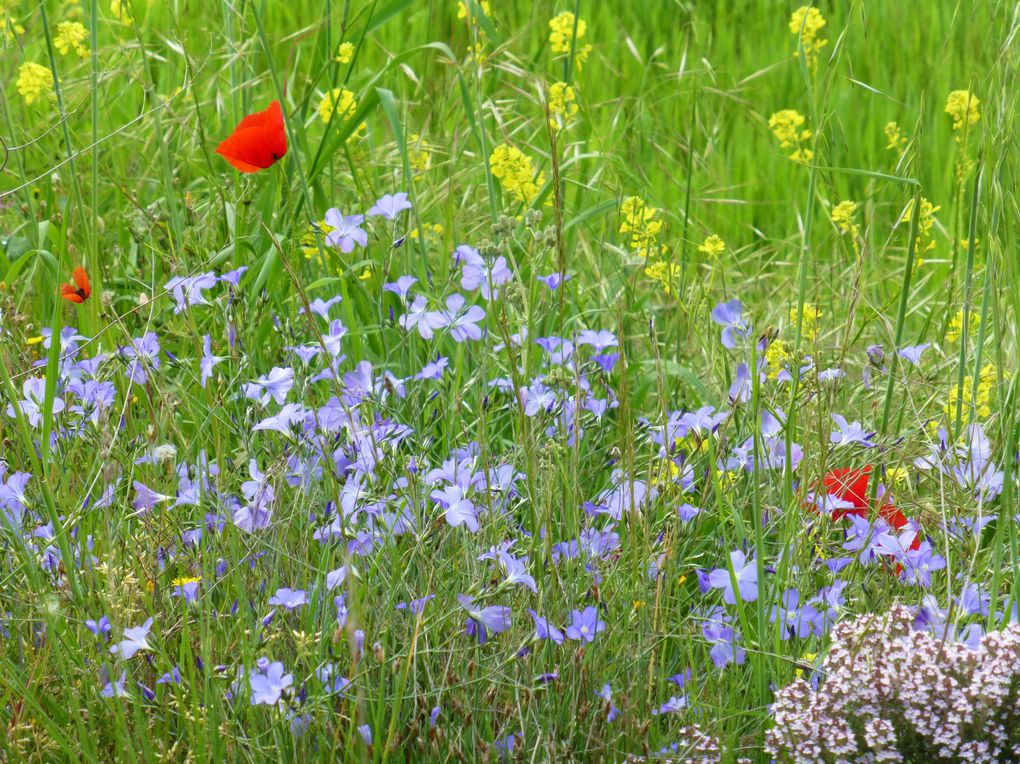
point(390, 380)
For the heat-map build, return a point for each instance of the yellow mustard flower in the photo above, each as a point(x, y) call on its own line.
point(345, 52)
point(665, 273)
point(787, 126)
point(121, 11)
point(419, 153)
point(962, 106)
point(71, 35)
point(34, 81)
point(843, 215)
point(895, 140)
point(806, 22)
point(462, 10)
point(339, 101)
point(516, 173)
point(561, 37)
point(955, 328)
point(640, 220)
point(777, 358)
point(809, 320)
point(713, 246)
point(925, 222)
point(562, 105)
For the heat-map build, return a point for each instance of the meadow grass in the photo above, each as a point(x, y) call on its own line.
point(135, 486)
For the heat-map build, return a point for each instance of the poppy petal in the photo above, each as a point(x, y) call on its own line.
point(81, 278)
point(258, 142)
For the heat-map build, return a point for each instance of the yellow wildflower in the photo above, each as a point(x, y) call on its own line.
point(926, 220)
point(896, 475)
point(713, 246)
point(981, 398)
point(476, 52)
point(787, 126)
point(562, 35)
point(309, 241)
point(777, 358)
point(345, 52)
point(809, 319)
point(70, 35)
point(186, 580)
point(806, 22)
point(962, 106)
point(9, 28)
point(955, 328)
point(462, 11)
point(34, 340)
point(895, 139)
point(515, 173)
point(34, 81)
point(665, 273)
point(121, 11)
point(806, 658)
point(433, 231)
point(419, 153)
point(339, 101)
point(639, 220)
point(843, 216)
point(562, 105)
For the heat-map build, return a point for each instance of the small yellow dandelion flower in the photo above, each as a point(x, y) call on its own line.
point(71, 35)
point(962, 106)
point(34, 81)
point(516, 173)
point(344, 52)
point(713, 246)
point(339, 101)
point(121, 11)
point(562, 105)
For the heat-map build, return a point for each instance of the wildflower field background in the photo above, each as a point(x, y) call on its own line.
point(586, 381)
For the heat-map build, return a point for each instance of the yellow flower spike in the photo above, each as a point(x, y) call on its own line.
point(787, 126)
point(562, 32)
point(562, 105)
point(71, 35)
point(810, 315)
point(806, 22)
point(962, 106)
point(895, 139)
point(340, 101)
point(34, 81)
point(516, 173)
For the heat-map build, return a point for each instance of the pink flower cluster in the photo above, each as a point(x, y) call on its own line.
point(892, 694)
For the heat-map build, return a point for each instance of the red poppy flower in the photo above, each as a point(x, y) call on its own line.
point(258, 142)
point(81, 290)
point(851, 485)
